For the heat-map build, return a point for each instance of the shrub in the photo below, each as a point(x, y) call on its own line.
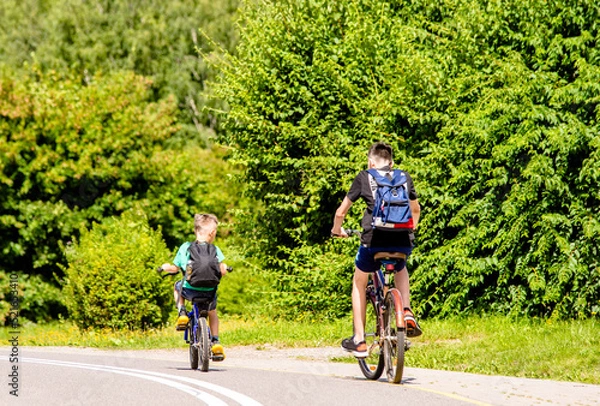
point(39, 300)
point(493, 109)
point(110, 281)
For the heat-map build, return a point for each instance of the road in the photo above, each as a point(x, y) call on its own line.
point(250, 376)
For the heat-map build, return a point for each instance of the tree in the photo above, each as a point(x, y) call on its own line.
point(73, 153)
point(155, 39)
point(492, 107)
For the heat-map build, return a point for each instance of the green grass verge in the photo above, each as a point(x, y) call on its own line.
point(532, 348)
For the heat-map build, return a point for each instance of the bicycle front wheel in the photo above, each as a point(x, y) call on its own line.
point(372, 366)
point(393, 341)
point(203, 344)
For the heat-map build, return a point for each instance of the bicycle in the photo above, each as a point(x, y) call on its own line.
point(385, 327)
point(197, 334)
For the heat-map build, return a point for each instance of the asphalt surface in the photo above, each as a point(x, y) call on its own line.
point(250, 376)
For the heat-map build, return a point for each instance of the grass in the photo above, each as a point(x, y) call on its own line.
point(532, 348)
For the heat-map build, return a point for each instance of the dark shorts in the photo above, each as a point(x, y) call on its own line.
point(190, 294)
point(365, 262)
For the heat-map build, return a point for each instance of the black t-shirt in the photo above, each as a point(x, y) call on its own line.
point(362, 188)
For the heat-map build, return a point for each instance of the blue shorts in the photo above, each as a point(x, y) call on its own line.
point(190, 294)
point(365, 262)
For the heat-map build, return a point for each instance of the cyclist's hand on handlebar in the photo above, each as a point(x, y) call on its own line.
point(341, 233)
point(168, 269)
point(225, 269)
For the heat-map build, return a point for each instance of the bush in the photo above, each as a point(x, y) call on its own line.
point(110, 278)
point(73, 154)
point(39, 300)
point(77, 153)
point(492, 107)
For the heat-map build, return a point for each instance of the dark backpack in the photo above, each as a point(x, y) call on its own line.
point(203, 270)
point(391, 211)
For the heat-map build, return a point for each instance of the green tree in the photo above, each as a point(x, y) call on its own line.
point(74, 153)
point(155, 39)
point(491, 106)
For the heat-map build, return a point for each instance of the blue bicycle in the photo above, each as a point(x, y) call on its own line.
point(197, 334)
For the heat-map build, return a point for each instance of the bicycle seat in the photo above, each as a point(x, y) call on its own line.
point(389, 255)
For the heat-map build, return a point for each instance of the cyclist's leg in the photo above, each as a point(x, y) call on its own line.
point(364, 264)
point(401, 281)
point(182, 318)
point(359, 303)
point(213, 318)
point(356, 344)
point(179, 299)
point(213, 321)
point(402, 284)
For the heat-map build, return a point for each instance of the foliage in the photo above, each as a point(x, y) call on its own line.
point(242, 292)
point(107, 111)
point(314, 282)
point(153, 38)
point(72, 154)
point(38, 299)
point(491, 106)
point(111, 279)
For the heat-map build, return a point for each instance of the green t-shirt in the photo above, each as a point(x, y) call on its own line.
point(182, 258)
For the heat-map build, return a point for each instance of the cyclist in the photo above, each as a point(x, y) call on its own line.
point(205, 229)
point(372, 241)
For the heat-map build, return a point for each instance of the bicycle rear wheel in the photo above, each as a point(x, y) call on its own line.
point(393, 341)
point(193, 339)
point(203, 344)
point(372, 366)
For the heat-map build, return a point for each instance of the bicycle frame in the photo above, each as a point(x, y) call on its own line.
point(193, 315)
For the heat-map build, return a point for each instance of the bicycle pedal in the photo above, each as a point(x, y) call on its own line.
point(218, 357)
point(407, 345)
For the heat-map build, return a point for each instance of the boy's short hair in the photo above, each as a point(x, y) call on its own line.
point(204, 222)
point(382, 151)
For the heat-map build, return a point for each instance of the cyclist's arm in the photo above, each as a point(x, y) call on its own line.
point(415, 209)
point(170, 268)
point(340, 215)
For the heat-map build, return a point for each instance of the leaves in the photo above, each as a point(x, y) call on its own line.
point(492, 108)
point(110, 278)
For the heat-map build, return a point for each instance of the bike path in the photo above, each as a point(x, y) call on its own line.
point(474, 388)
point(455, 387)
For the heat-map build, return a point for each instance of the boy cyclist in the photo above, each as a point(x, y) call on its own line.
point(373, 241)
point(205, 229)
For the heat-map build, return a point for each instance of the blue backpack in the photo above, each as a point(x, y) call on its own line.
point(392, 209)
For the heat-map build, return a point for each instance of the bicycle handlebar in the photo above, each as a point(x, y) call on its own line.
point(348, 232)
point(160, 269)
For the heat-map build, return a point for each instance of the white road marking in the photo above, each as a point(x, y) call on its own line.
point(164, 379)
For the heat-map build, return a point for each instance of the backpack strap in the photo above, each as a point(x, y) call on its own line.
point(391, 178)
